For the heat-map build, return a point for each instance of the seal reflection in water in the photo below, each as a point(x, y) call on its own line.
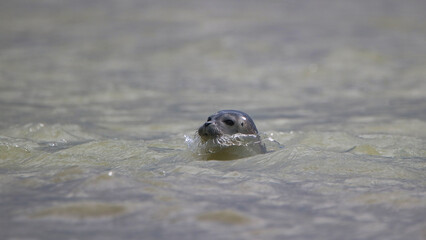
point(229, 134)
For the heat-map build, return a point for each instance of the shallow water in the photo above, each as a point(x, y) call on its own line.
point(97, 99)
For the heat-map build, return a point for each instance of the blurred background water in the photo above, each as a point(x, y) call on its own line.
point(96, 98)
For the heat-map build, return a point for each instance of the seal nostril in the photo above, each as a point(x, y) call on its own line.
point(207, 124)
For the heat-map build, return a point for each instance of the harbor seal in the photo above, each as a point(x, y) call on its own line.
point(230, 134)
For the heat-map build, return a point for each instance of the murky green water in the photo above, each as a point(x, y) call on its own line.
point(96, 99)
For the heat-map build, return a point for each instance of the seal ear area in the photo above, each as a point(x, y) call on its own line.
point(247, 126)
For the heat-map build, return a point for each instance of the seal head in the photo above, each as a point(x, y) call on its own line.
point(230, 134)
point(227, 122)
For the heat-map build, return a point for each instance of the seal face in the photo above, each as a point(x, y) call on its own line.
point(230, 134)
point(227, 122)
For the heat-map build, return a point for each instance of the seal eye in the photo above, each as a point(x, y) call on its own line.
point(229, 122)
point(209, 119)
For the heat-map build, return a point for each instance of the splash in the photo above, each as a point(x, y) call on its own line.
point(229, 147)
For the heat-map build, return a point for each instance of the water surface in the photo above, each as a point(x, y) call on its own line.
point(97, 99)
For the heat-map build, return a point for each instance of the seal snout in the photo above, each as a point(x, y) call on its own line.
point(207, 130)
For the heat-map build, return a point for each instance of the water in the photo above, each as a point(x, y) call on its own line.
point(96, 99)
